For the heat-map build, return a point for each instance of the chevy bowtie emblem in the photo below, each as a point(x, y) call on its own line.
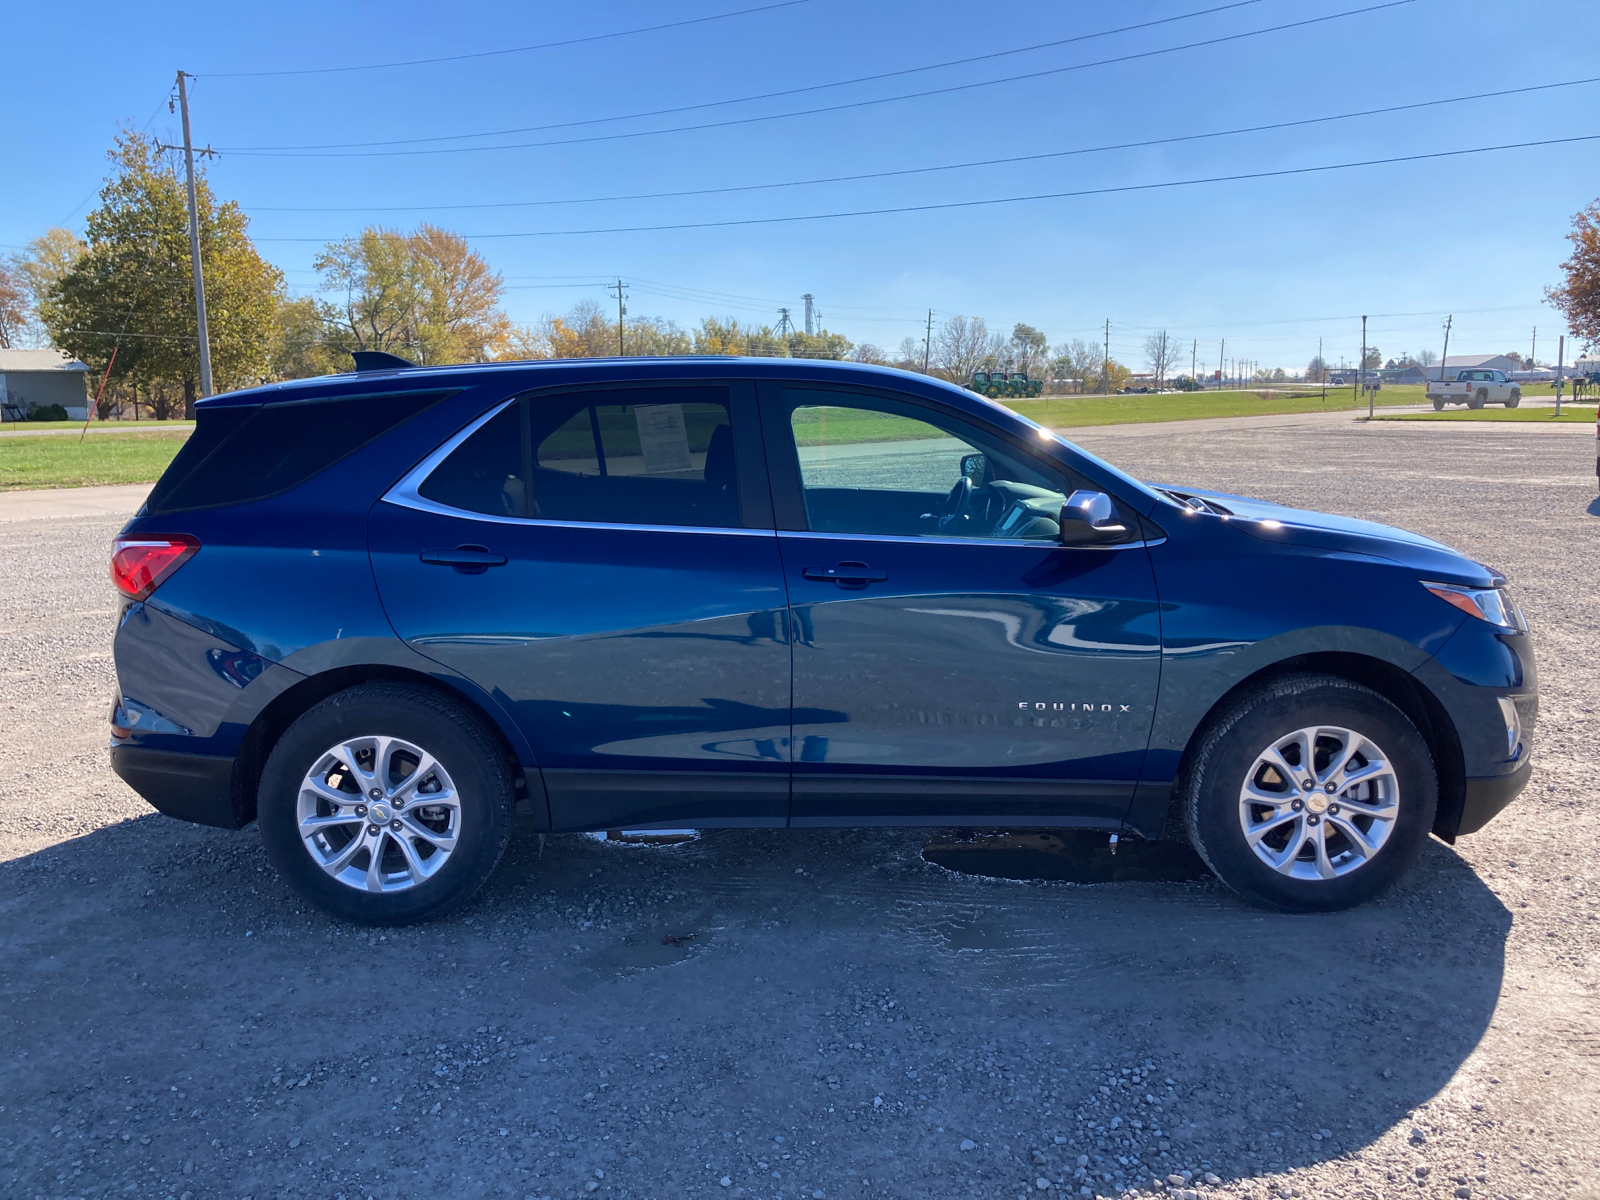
point(1079, 706)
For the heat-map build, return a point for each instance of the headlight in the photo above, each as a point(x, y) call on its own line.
point(1487, 604)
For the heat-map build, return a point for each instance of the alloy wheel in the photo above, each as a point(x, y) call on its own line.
point(378, 814)
point(1319, 802)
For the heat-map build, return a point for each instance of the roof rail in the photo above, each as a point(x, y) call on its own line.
point(379, 360)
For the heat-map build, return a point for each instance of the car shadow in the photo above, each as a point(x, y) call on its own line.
point(831, 983)
point(1594, 507)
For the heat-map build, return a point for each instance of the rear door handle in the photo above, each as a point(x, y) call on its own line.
point(846, 574)
point(469, 560)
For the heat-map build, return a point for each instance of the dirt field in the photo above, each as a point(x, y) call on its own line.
point(847, 1019)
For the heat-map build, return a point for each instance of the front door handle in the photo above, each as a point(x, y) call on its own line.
point(469, 560)
point(846, 574)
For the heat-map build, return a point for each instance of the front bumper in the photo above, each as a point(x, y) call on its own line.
point(191, 787)
point(1486, 797)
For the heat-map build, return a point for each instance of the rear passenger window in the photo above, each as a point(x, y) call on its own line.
point(635, 456)
point(237, 455)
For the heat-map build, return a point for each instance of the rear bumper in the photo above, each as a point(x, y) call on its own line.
point(1486, 797)
point(191, 787)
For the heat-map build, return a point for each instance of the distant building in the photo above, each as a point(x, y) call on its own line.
point(1474, 362)
point(31, 379)
point(1408, 374)
point(1588, 365)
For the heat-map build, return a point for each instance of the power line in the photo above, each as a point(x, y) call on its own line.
point(422, 62)
point(795, 91)
point(954, 204)
point(985, 162)
point(291, 152)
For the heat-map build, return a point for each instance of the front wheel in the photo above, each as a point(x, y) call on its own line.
point(1310, 794)
point(1515, 400)
point(386, 804)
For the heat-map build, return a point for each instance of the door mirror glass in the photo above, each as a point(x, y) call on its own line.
point(972, 467)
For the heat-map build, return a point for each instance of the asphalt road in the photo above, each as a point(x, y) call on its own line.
point(847, 1020)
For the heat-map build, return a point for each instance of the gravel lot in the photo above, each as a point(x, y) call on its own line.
point(847, 1019)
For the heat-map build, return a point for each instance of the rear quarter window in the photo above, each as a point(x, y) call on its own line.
point(239, 455)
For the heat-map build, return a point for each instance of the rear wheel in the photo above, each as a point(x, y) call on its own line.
point(386, 805)
point(1310, 794)
point(1479, 399)
point(1438, 404)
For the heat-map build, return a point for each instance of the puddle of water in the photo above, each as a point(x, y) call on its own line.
point(1068, 855)
point(648, 950)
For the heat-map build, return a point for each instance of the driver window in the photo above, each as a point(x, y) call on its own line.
point(875, 466)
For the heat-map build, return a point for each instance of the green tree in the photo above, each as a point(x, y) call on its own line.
point(1028, 350)
point(1374, 358)
point(131, 287)
point(303, 344)
point(1578, 296)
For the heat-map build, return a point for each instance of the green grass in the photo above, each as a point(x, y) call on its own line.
point(22, 426)
point(63, 462)
point(1570, 414)
point(1069, 411)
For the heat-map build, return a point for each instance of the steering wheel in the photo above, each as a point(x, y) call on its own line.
point(959, 504)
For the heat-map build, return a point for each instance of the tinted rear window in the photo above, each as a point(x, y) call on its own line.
point(237, 455)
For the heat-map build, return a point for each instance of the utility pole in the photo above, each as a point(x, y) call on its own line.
point(194, 244)
point(1561, 356)
point(1361, 367)
point(1105, 362)
point(1322, 370)
point(1221, 360)
point(1194, 360)
point(927, 343)
point(621, 295)
point(1447, 322)
point(1533, 349)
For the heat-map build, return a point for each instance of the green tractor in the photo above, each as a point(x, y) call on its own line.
point(997, 385)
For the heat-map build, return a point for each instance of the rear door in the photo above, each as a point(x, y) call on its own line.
point(953, 662)
point(603, 563)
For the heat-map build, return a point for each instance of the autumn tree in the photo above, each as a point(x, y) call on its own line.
point(31, 273)
point(13, 306)
point(1578, 296)
point(130, 289)
point(425, 295)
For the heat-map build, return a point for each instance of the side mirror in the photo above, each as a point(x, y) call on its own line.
point(1089, 517)
point(973, 467)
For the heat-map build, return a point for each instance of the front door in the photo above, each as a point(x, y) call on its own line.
point(602, 562)
point(953, 661)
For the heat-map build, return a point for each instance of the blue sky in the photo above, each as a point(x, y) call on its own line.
point(1269, 264)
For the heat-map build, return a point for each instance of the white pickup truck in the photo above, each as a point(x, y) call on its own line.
point(1475, 388)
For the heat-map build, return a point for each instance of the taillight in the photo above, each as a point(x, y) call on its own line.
point(139, 564)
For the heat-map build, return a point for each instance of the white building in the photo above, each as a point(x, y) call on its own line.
point(1473, 362)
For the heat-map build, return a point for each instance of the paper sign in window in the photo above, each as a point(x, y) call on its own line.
point(663, 438)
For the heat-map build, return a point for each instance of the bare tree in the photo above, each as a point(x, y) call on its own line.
point(961, 346)
point(866, 352)
point(1161, 352)
point(912, 354)
point(1076, 362)
point(1426, 358)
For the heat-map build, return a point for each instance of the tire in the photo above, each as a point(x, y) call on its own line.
point(1515, 401)
point(1231, 757)
point(1438, 404)
point(1479, 399)
point(421, 874)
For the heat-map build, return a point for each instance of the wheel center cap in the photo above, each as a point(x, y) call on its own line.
point(381, 814)
point(1316, 802)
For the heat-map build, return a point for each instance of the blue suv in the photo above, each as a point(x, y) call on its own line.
point(375, 612)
